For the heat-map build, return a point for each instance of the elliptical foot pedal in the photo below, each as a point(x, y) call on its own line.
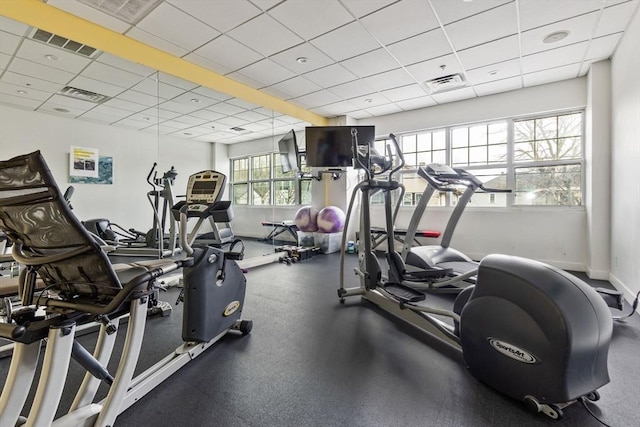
point(404, 293)
point(417, 273)
point(612, 297)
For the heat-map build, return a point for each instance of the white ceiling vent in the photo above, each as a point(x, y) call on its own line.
point(64, 43)
point(241, 131)
point(85, 95)
point(130, 11)
point(445, 83)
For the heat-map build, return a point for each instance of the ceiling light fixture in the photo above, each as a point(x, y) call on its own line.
point(52, 58)
point(187, 134)
point(195, 100)
point(302, 60)
point(493, 72)
point(22, 92)
point(368, 100)
point(555, 36)
point(61, 110)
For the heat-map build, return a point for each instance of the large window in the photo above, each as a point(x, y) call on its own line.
point(539, 158)
point(259, 180)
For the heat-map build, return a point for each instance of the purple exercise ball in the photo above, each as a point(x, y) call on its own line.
point(306, 219)
point(331, 220)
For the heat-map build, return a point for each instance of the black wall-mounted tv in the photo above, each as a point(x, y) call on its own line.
point(330, 146)
point(288, 149)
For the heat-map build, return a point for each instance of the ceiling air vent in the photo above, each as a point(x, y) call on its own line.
point(130, 11)
point(85, 95)
point(445, 83)
point(67, 44)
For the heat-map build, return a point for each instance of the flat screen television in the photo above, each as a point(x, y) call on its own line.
point(288, 149)
point(330, 146)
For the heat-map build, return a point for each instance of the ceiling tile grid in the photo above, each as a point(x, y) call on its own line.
point(333, 57)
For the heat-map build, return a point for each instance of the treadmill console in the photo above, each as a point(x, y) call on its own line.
point(204, 189)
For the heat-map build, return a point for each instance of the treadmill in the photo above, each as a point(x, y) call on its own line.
point(444, 178)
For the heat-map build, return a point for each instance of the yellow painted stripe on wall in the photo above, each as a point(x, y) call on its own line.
point(41, 15)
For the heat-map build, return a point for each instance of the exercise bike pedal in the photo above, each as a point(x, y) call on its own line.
point(403, 293)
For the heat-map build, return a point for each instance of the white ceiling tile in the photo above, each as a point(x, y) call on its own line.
point(180, 107)
point(4, 60)
point(176, 81)
point(74, 103)
point(615, 18)
point(108, 74)
point(161, 113)
point(8, 43)
point(132, 124)
point(13, 27)
point(228, 52)
point(612, 2)
point(316, 99)
point(454, 95)
point(265, 4)
point(242, 103)
point(498, 86)
point(207, 115)
point(375, 62)
point(265, 35)
point(361, 8)
point(196, 100)
point(154, 88)
point(335, 109)
point(490, 53)
point(225, 108)
point(123, 64)
point(421, 47)
point(603, 47)
point(223, 15)
point(184, 30)
point(536, 13)
point(266, 72)
point(493, 24)
point(173, 125)
point(30, 82)
point(96, 86)
point(552, 75)
point(382, 110)
point(360, 114)
point(63, 60)
point(20, 101)
point(499, 71)
point(400, 21)
point(206, 63)
point(449, 11)
point(250, 116)
point(314, 58)
point(125, 105)
point(330, 76)
point(90, 14)
point(553, 58)
point(192, 121)
point(434, 68)
point(29, 68)
point(415, 103)
point(389, 79)
point(139, 98)
point(112, 111)
point(142, 116)
point(210, 93)
point(370, 100)
point(157, 42)
point(333, 44)
point(580, 29)
point(352, 89)
point(231, 121)
point(405, 92)
point(309, 19)
point(295, 87)
point(23, 92)
point(96, 116)
point(61, 110)
point(241, 78)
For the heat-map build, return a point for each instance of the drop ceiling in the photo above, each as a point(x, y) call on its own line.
point(331, 57)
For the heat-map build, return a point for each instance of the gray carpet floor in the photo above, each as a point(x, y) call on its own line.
point(311, 361)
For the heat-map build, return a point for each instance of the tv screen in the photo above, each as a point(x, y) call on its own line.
point(330, 146)
point(288, 149)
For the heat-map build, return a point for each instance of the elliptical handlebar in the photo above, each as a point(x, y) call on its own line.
point(399, 154)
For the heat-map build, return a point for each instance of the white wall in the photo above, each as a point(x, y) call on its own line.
point(625, 177)
point(133, 154)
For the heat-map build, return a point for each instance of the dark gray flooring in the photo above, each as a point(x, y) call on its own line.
point(311, 361)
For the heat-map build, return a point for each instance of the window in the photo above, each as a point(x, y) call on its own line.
point(540, 159)
point(264, 182)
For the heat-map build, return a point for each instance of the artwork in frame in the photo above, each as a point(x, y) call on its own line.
point(105, 173)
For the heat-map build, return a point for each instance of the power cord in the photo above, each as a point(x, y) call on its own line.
point(584, 401)
point(634, 307)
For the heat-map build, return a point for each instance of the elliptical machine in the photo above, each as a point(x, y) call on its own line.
point(527, 329)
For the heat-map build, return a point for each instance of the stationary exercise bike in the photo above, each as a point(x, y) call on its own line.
point(527, 329)
point(70, 278)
